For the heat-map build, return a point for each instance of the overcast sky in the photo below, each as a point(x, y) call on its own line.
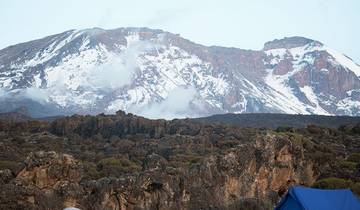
point(235, 23)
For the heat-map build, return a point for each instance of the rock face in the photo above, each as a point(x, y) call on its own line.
point(47, 181)
point(265, 170)
point(147, 71)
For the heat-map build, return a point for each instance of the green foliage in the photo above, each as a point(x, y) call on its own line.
point(356, 129)
point(183, 160)
point(345, 129)
point(348, 165)
point(321, 157)
point(117, 166)
point(314, 129)
point(298, 140)
point(332, 183)
point(112, 146)
point(90, 171)
point(338, 183)
point(6, 164)
point(250, 204)
point(285, 129)
point(355, 157)
point(355, 187)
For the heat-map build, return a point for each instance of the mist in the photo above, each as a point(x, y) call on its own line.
point(177, 104)
point(121, 69)
point(2, 93)
point(36, 94)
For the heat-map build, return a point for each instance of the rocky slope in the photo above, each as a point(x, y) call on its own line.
point(159, 74)
point(127, 162)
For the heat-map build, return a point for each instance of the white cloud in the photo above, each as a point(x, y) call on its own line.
point(121, 68)
point(35, 94)
point(2, 92)
point(180, 103)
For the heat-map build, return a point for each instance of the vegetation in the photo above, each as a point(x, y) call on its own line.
point(116, 166)
point(6, 164)
point(120, 145)
point(338, 183)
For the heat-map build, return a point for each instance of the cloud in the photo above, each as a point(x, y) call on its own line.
point(182, 102)
point(2, 93)
point(121, 68)
point(113, 74)
point(33, 93)
point(5, 94)
point(36, 94)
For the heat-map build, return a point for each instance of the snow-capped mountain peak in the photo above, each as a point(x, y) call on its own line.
point(148, 71)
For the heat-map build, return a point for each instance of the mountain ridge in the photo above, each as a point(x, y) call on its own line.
point(142, 70)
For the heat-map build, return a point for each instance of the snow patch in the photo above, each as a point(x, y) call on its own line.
point(341, 59)
point(348, 106)
point(313, 98)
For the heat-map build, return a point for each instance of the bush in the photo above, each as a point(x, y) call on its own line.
point(250, 204)
point(346, 129)
point(90, 171)
point(356, 188)
point(6, 164)
point(348, 165)
point(117, 166)
point(285, 129)
point(355, 157)
point(356, 129)
point(321, 157)
point(314, 129)
point(337, 183)
point(332, 183)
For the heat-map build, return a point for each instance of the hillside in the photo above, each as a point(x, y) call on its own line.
point(125, 161)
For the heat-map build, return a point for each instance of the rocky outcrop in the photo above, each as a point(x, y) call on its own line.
point(264, 171)
point(113, 162)
point(47, 181)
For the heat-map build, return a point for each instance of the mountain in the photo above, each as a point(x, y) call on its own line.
point(158, 74)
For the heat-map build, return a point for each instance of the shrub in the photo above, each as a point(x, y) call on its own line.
point(117, 166)
point(337, 183)
point(356, 188)
point(348, 165)
point(250, 204)
point(356, 129)
point(90, 171)
point(355, 157)
point(314, 129)
point(285, 129)
point(6, 164)
point(332, 183)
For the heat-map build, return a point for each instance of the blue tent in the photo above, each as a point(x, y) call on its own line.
point(302, 198)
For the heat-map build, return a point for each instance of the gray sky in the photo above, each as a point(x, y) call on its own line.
point(245, 24)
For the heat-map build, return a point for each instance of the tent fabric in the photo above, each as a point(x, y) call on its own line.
point(302, 198)
point(291, 204)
